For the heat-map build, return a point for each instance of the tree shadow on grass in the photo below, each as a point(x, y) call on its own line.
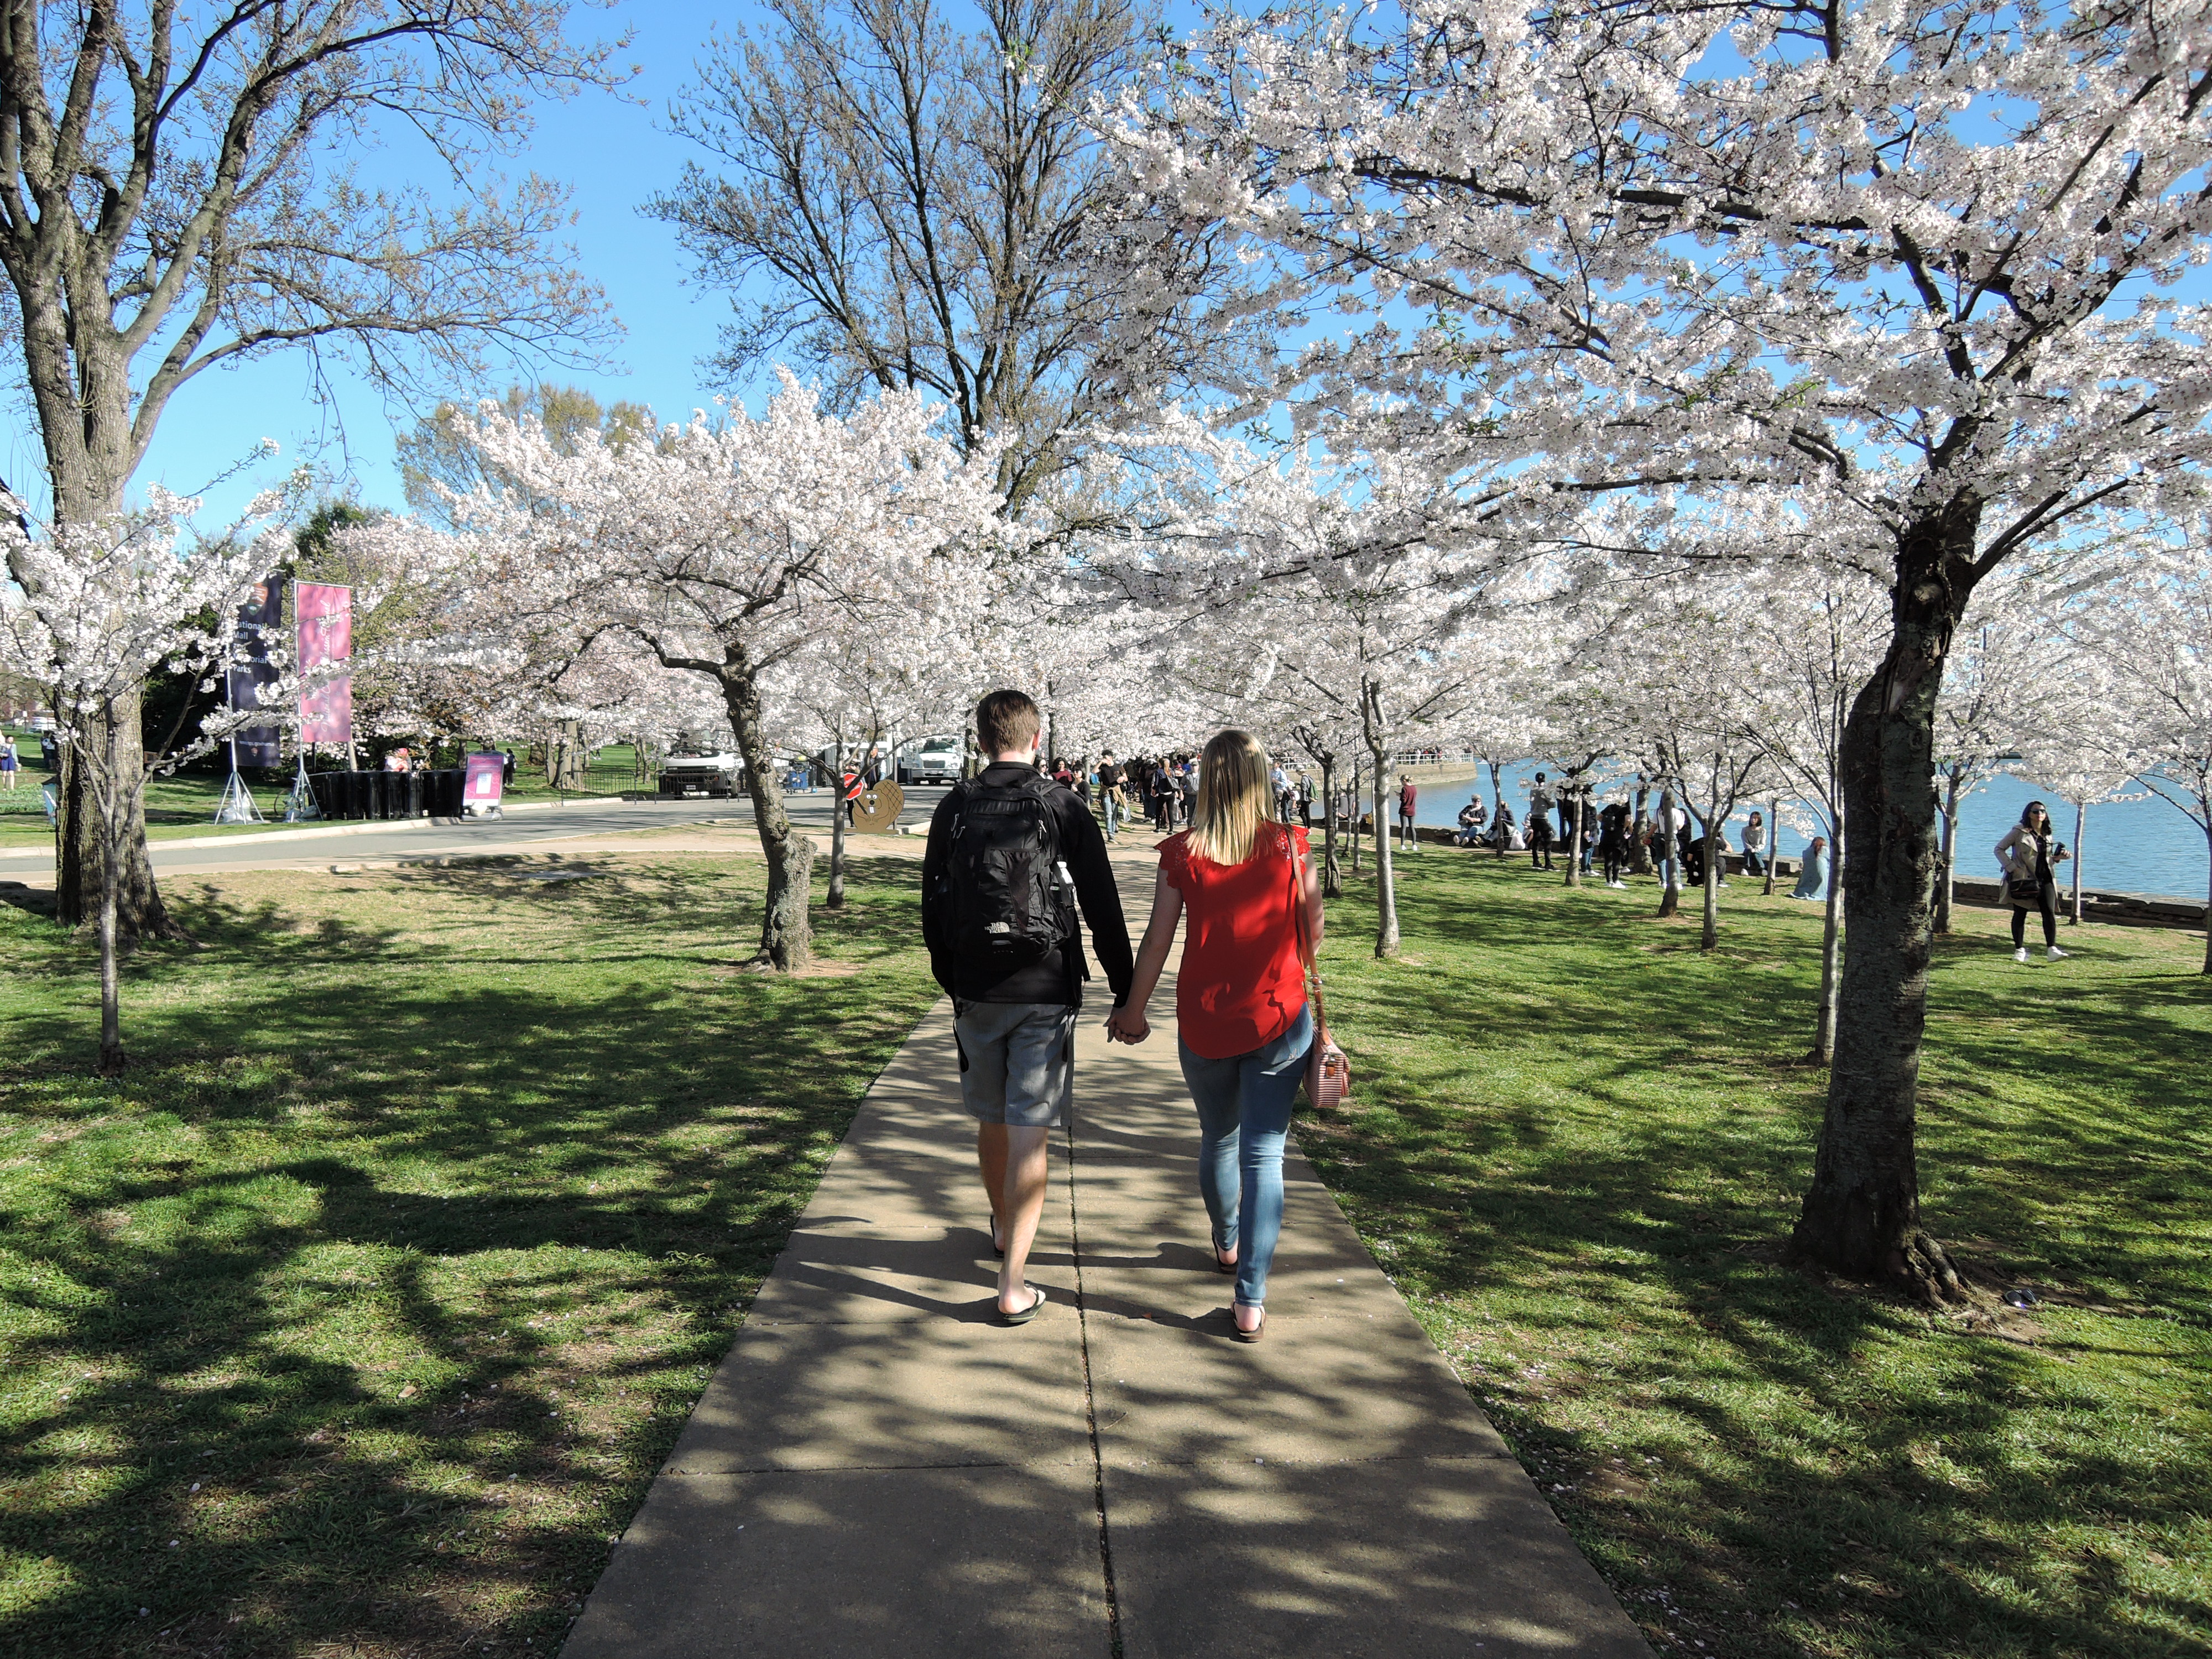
point(1582, 1169)
point(358, 1224)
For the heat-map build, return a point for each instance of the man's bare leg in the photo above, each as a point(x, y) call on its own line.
point(1021, 1206)
point(991, 1159)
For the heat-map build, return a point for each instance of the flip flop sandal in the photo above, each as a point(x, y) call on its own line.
point(1219, 1265)
point(1251, 1335)
point(997, 1248)
point(1025, 1315)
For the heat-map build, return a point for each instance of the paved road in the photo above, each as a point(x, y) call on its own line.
point(422, 838)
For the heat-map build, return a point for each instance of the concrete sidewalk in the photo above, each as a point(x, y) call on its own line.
point(879, 1469)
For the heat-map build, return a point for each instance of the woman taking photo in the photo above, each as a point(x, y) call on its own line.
point(2030, 859)
point(1240, 1000)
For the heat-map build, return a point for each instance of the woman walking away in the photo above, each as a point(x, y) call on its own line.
point(2030, 860)
point(1240, 1000)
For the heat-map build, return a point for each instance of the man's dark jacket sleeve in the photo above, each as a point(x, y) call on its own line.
point(1084, 846)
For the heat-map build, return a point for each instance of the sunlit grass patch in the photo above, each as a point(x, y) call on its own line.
point(357, 1315)
point(1578, 1150)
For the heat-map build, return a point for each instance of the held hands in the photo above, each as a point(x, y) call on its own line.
point(1128, 1025)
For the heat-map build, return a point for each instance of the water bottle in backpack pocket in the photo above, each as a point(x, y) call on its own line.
point(1009, 899)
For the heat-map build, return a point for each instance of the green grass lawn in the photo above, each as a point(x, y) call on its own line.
point(1578, 1146)
point(358, 1316)
point(186, 804)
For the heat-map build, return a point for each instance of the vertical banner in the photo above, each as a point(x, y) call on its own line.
point(258, 619)
point(323, 612)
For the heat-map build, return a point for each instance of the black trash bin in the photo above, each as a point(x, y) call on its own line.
point(446, 785)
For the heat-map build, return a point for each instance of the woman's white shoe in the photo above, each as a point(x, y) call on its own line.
point(2021, 955)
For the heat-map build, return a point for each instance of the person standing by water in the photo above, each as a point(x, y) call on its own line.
point(1244, 1026)
point(1409, 800)
point(2030, 860)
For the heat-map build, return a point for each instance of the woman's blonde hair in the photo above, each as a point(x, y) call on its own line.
point(1234, 797)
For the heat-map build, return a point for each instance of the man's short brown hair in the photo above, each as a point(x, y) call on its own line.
point(1006, 720)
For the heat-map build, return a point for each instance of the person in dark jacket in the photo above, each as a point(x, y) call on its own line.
point(1015, 1031)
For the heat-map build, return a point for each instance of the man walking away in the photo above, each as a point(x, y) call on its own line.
point(1011, 856)
point(1109, 792)
point(1408, 798)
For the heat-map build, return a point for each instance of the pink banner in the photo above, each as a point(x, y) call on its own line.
point(480, 796)
point(323, 612)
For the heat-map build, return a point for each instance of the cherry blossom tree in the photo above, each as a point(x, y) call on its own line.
point(2152, 632)
point(96, 605)
point(1811, 645)
point(1911, 261)
point(723, 549)
point(176, 194)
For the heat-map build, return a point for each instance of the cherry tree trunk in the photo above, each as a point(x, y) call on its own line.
point(2208, 903)
point(834, 899)
point(82, 854)
point(2081, 828)
point(1862, 1214)
point(1946, 860)
point(1386, 890)
point(787, 940)
point(1709, 938)
point(1832, 939)
point(1774, 843)
point(1575, 848)
point(1332, 876)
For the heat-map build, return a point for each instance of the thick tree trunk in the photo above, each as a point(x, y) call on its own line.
point(1574, 845)
point(1639, 850)
point(1386, 891)
point(1670, 870)
point(81, 847)
point(1831, 938)
point(1773, 841)
point(787, 937)
point(1947, 857)
point(1862, 1214)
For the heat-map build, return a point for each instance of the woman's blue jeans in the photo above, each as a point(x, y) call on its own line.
point(1243, 1115)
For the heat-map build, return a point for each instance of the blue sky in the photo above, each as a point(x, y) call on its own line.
point(614, 154)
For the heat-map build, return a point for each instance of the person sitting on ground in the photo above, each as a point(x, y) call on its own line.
point(1813, 874)
point(1754, 845)
point(1472, 818)
point(1247, 883)
point(1010, 954)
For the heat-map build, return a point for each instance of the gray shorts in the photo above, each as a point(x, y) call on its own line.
point(1017, 1061)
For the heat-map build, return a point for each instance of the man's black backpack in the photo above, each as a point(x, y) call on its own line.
point(1007, 900)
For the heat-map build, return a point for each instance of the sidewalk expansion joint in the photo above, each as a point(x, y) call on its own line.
point(1090, 1405)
